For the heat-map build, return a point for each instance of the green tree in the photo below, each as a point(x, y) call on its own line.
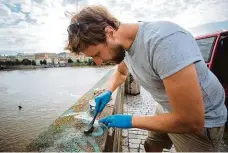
point(17, 62)
point(70, 60)
point(29, 62)
point(33, 62)
point(13, 62)
point(44, 62)
point(41, 62)
point(26, 62)
point(78, 61)
point(9, 63)
point(91, 61)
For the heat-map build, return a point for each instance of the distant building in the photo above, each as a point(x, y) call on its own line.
point(12, 58)
point(53, 57)
point(73, 57)
point(64, 55)
point(3, 58)
point(41, 57)
point(81, 57)
point(62, 61)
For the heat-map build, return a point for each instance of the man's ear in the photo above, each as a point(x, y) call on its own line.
point(110, 32)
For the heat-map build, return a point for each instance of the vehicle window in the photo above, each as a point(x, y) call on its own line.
point(206, 47)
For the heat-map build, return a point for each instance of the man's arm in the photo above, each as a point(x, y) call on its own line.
point(186, 102)
point(118, 77)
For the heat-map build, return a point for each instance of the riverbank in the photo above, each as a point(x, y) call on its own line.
point(28, 67)
point(19, 67)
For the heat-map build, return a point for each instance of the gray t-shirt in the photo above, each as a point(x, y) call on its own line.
point(161, 49)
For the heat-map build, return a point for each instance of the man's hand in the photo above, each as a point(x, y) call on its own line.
point(101, 100)
point(118, 121)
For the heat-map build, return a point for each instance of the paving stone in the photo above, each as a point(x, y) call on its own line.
point(125, 149)
point(125, 141)
point(141, 104)
point(142, 141)
point(133, 150)
point(140, 132)
point(133, 132)
point(133, 146)
point(141, 136)
point(125, 106)
point(145, 133)
point(141, 146)
point(137, 141)
point(124, 133)
point(173, 150)
point(165, 150)
point(134, 129)
point(133, 136)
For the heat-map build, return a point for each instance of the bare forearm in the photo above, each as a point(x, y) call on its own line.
point(167, 123)
point(116, 80)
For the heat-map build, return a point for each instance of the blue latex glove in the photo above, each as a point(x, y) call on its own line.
point(118, 121)
point(101, 101)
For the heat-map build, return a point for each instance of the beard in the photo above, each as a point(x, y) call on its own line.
point(118, 53)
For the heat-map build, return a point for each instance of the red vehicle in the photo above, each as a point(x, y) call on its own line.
point(214, 48)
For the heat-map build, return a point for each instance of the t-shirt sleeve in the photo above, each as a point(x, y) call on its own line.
point(174, 53)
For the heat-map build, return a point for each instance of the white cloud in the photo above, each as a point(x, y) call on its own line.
point(25, 7)
point(23, 24)
point(48, 33)
point(11, 18)
point(4, 11)
point(19, 1)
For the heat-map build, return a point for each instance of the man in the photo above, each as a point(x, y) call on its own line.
point(167, 62)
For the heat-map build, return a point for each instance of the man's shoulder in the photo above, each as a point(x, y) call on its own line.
point(161, 29)
point(162, 24)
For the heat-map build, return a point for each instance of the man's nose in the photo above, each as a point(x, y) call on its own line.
point(97, 60)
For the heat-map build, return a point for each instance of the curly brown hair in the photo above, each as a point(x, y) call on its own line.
point(88, 28)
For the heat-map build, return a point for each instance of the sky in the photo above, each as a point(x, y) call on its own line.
point(32, 26)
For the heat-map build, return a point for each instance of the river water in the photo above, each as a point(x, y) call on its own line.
point(44, 94)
